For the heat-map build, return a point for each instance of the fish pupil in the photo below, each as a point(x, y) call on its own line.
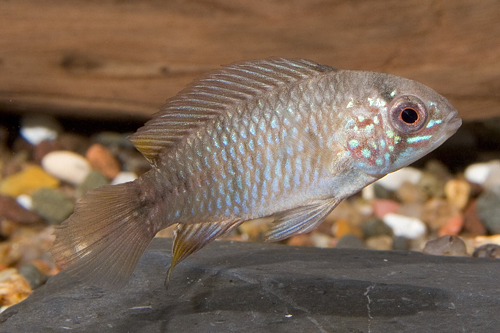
point(409, 116)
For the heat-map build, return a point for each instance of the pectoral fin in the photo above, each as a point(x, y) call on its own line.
point(301, 220)
point(189, 238)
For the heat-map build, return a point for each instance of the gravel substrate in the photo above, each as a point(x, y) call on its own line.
point(46, 165)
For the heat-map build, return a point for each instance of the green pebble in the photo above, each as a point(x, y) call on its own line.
point(93, 180)
point(52, 205)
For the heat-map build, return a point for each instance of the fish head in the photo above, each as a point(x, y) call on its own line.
point(395, 122)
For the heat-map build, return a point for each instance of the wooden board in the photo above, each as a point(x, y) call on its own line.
point(124, 58)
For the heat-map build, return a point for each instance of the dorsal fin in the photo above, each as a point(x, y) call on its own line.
point(216, 94)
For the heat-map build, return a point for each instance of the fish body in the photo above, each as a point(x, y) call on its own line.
point(277, 137)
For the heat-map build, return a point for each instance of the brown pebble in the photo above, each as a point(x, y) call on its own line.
point(453, 226)
point(446, 246)
point(11, 210)
point(382, 242)
point(103, 160)
point(411, 193)
point(14, 289)
point(472, 223)
point(487, 251)
point(45, 147)
point(457, 192)
point(437, 212)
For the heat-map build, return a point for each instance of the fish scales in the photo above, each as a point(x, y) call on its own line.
point(278, 137)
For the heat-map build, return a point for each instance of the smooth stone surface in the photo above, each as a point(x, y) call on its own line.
point(38, 128)
point(250, 287)
point(93, 180)
point(478, 173)
point(488, 209)
point(27, 181)
point(67, 166)
point(404, 226)
point(52, 205)
point(33, 275)
point(393, 181)
point(123, 177)
point(446, 246)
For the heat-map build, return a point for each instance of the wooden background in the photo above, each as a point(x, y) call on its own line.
point(123, 58)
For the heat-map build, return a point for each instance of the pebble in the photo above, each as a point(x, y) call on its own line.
point(394, 180)
point(457, 192)
point(300, 240)
point(382, 207)
point(93, 180)
point(66, 166)
point(446, 246)
point(437, 212)
point(114, 139)
point(478, 173)
point(487, 251)
point(52, 205)
point(74, 142)
point(404, 226)
point(45, 147)
point(9, 254)
point(382, 242)
point(102, 159)
point(13, 288)
point(472, 223)
point(400, 243)
point(432, 185)
point(320, 239)
point(453, 226)
point(342, 228)
point(255, 229)
point(381, 192)
point(411, 193)
point(123, 177)
point(350, 242)
point(375, 227)
point(38, 128)
point(27, 181)
point(412, 210)
point(34, 277)
point(346, 211)
point(488, 209)
point(12, 211)
point(25, 201)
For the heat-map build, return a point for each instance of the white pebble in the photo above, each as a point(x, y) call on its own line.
point(66, 166)
point(478, 173)
point(36, 129)
point(124, 177)
point(404, 226)
point(394, 180)
point(368, 193)
point(25, 201)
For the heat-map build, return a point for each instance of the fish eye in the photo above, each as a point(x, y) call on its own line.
point(408, 114)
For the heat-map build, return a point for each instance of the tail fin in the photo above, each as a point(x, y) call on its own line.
point(103, 240)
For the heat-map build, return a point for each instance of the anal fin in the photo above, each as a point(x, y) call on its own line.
point(301, 219)
point(189, 238)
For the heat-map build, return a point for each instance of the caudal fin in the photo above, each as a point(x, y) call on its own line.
point(103, 240)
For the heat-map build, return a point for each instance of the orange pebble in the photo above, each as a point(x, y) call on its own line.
point(103, 160)
point(453, 226)
point(342, 228)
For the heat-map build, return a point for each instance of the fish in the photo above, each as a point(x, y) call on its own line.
point(282, 138)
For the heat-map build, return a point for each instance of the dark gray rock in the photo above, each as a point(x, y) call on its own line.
point(250, 287)
point(33, 275)
point(488, 209)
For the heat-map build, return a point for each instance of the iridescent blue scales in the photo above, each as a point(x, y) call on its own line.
point(283, 138)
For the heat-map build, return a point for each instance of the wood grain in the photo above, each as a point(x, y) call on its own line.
point(124, 58)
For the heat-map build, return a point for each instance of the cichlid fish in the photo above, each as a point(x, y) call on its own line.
point(277, 137)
